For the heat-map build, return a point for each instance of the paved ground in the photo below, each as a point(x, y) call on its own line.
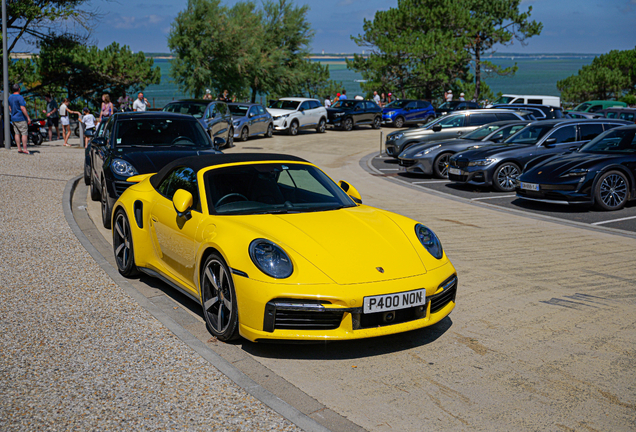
point(624, 219)
point(77, 352)
point(542, 339)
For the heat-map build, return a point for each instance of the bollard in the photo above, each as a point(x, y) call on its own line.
point(81, 131)
point(381, 133)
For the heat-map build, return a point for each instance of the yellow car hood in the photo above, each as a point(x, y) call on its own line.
point(352, 245)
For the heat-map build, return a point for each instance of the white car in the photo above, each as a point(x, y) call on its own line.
point(292, 114)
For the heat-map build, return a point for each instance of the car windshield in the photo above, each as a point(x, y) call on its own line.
point(449, 105)
point(613, 141)
point(481, 132)
point(504, 100)
point(239, 110)
point(284, 104)
point(144, 131)
point(194, 108)
point(398, 104)
point(272, 188)
point(582, 107)
point(531, 134)
point(346, 104)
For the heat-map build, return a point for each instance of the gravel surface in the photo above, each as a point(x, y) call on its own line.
point(77, 352)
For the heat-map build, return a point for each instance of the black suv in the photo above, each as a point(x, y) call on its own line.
point(214, 116)
point(540, 112)
point(349, 113)
point(140, 143)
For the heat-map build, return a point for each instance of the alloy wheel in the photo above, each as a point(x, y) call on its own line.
point(245, 134)
point(441, 165)
point(123, 246)
point(218, 296)
point(348, 124)
point(506, 177)
point(613, 190)
point(270, 131)
point(399, 122)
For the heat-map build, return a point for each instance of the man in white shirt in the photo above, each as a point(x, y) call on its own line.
point(327, 102)
point(376, 97)
point(141, 103)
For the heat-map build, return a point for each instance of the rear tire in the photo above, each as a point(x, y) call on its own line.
point(399, 122)
point(503, 180)
point(440, 165)
point(611, 191)
point(218, 296)
point(123, 245)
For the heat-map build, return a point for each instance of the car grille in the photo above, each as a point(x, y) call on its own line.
point(120, 187)
point(562, 187)
point(440, 300)
point(460, 163)
point(407, 162)
point(294, 314)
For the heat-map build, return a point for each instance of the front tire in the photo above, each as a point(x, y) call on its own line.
point(611, 191)
point(37, 139)
point(245, 134)
point(322, 126)
point(293, 128)
point(377, 123)
point(106, 207)
point(347, 124)
point(505, 176)
point(87, 174)
point(219, 298)
point(95, 195)
point(440, 165)
point(399, 122)
point(123, 245)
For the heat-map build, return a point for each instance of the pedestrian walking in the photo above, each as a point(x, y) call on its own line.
point(461, 97)
point(327, 102)
point(107, 108)
point(448, 96)
point(343, 96)
point(141, 103)
point(52, 116)
point(383, 100)
point(376, 97)
point(64, 119)
point(20, 118)
point(89, 125)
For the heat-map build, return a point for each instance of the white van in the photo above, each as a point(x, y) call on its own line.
point(554, 101)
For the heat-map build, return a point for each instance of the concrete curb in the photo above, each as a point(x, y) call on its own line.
point(365, 164)
point(250, 386)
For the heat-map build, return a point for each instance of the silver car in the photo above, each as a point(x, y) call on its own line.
point(450, 126)
point(250, 119)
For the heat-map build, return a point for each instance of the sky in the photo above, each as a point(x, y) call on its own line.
point(569, 26)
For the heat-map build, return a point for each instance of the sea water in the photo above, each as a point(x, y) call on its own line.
point(535, 76)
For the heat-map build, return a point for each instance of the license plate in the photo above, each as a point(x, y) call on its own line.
point(530, 186)
point(389, 302)
point(455, 171)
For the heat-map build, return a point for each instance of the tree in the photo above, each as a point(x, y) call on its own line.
point(316, 82)
point(609, 76)
point(493, 22)
point(416, 49)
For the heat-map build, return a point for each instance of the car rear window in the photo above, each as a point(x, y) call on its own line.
point(590, 131)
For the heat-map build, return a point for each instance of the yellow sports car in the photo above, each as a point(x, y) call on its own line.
point(272, 248)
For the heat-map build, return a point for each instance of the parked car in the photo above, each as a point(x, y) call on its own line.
point(293, 114)
point(407, 111)
point(450, 106)
point(250, 120)
point(214, 116)
point(451, 126)
point(432, 157)
point(553, 101)
point(139, 143)
point(349, 113)
point(498, 165)
point(99, 132)
point(260, 241)
point(541, 112)
point(628, 114)
point(583, 115)
point(597, 105)
point(602, 172)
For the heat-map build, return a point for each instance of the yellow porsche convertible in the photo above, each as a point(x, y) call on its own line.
point(272, 248)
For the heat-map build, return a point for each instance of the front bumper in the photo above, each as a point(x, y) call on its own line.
point(394, 148)
point(478, 175)
point(572, 193)
point(281, 123)
point(417, 166)
point(387, 120)
point(334, 312)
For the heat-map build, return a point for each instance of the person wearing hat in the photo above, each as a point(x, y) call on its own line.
point(448, 96)
point(89, 124)
point(208, 94)
point(461, 97)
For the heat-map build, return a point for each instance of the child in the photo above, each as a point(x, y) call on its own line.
point(89, 124)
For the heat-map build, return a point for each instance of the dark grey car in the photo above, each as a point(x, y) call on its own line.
point(499, 165)
point(432, 157)
point(250, 119)
point(214, 116)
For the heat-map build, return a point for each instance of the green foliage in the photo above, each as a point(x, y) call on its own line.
point(495, 22)
point(316, 82)
point(609, 76)
point(243, 49)
point(416, 49)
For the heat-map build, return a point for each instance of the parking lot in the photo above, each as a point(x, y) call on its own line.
point(624, 219)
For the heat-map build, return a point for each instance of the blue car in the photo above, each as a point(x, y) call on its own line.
point(407, 111)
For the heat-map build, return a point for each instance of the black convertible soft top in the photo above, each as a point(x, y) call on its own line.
point(197, 163)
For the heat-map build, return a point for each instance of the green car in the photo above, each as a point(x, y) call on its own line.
point(596, 105)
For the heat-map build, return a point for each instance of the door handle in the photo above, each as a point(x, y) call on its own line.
point(154, 219)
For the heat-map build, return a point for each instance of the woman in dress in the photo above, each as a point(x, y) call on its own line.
point(107, 108)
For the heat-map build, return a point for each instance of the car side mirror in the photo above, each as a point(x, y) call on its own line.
point(219, 142)
point(437, 128)
point(251, 115)
point(98, 142)
point(182, 202)
point(351, 191)
point(550, 143)
point(301, 109)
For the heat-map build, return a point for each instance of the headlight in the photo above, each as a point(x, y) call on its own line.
point(236, 122)
point(284, 116)
point(123, 168)
point(576, 172)
point(397, 136)
point(429, 240)
point(271, 259)
point(481, 162)
point(338, 114)
point(427, 151)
